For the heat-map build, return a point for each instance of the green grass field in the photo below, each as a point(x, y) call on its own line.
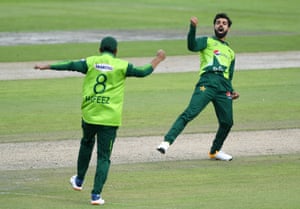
point(257, 25)
point(49, 109)
point(251, 16)
point(266, 182)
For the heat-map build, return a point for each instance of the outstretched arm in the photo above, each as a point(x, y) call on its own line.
point(147, 69)
point(79, 66)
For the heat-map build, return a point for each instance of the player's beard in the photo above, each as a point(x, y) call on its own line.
point(220, 34)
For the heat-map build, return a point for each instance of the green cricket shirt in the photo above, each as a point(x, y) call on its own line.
point(103, 86)
point(103, 90)
point(215, 55)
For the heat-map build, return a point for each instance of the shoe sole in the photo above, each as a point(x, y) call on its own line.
point(161, 150)
point(221, 159)
point(97, 203)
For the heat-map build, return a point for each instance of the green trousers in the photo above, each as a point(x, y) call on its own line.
point(105, 139)
point(210, 88)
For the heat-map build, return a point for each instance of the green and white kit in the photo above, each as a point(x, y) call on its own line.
point(216, 72)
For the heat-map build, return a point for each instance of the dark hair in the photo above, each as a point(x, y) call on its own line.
point(108, 44)
point(223, 15)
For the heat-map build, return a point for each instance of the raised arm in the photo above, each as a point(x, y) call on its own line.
point(195, 44)
point(147, 69)
point(160, 56)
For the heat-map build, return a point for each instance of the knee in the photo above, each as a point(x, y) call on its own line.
point(103, 160)
point(189, 115)
point(103, 156)
point(226, 124)
point(87, 143)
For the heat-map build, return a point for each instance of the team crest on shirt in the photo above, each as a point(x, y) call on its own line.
point(217, 52)
point(103, 67)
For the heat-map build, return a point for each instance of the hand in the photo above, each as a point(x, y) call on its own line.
point(235, 95)
point(161, 54)
point(194, 21)
point(41, 67)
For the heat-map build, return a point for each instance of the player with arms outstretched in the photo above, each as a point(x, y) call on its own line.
point(102, 103)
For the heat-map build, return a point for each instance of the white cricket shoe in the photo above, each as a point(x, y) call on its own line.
point(74, 182)
point(219, 155)
point(163, 147)
point(97, 200)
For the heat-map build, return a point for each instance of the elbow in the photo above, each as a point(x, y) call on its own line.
point(141, 74)
point(190, 47)
point(146, 73)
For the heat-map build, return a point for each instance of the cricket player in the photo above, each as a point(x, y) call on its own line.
point(102, 103)
point(216, 72)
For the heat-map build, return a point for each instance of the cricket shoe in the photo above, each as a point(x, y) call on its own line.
point(219, 155)
point(97, 200)
point(163, 147)
point(76, 183)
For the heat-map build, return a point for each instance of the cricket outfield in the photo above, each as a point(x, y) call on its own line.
point(191, 146)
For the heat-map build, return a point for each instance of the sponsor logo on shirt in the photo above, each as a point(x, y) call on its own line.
point(103, 67)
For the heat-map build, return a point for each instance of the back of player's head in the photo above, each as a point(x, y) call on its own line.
point(108, 44)
point(222, 15)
